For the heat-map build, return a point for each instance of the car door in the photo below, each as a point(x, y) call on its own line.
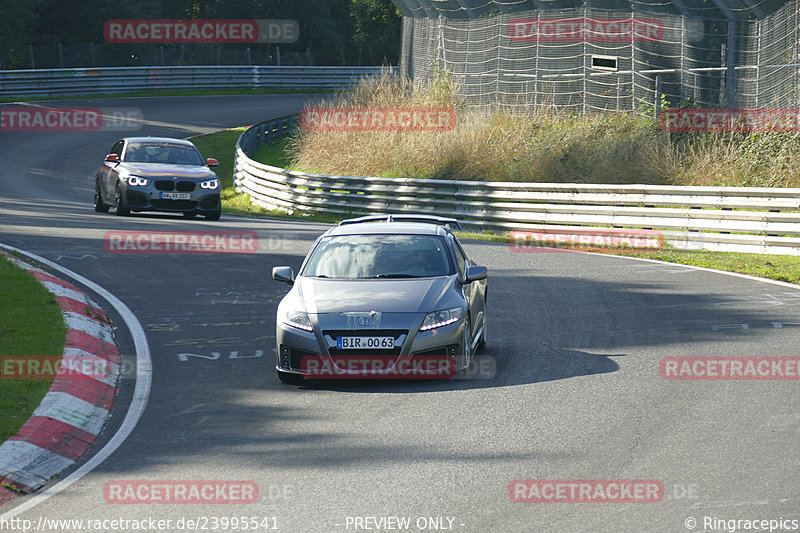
point(472, 291)
point(108, 174)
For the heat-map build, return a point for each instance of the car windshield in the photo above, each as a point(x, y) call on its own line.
point(379, 257)
point(162, 152)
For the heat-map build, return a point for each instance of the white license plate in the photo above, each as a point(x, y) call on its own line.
point(365, 343)
point(176, 196)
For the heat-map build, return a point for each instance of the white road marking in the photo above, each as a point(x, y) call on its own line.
point(28, 464)
point(141, 391)
point(70, 410)
point(89, 326)
point(60, 290)
point(735, 274)
point(97, 368)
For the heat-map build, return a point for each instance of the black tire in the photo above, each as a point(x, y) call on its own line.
point(189, 214)
point(290, 379)
point(119, 205)
point(214, 215)
point(99, 206)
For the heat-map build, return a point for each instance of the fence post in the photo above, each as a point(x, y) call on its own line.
point(730, 84)
point(269, 135)
point(657, 103)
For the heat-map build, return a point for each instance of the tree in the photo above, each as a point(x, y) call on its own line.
point(18, 18)
point(377, 30)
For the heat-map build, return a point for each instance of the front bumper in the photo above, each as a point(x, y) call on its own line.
point(149, 199)
point(432, 354)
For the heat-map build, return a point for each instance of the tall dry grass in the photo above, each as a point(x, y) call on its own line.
point(539, 145)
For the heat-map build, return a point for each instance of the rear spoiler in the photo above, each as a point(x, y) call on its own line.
point(428, 219)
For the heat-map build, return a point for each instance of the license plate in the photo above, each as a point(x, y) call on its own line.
point(176, 196)
point(365, 343)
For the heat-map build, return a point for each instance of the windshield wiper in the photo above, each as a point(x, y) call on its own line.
point(396, 276)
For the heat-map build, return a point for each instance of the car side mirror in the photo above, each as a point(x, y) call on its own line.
point(284, 274)
point(212, 162)
point(112, 158)
point(474, 273)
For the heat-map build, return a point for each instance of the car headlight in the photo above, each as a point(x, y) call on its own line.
point(137, 181)
point(437, 319)
point(209, 184)
point(298, 319)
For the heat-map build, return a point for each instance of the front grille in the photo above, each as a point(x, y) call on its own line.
point(185, 186)
point(175, 205)
point(164, 185)
point(395, 333)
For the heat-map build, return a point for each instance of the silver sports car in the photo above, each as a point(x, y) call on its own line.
point(391, 296)
point(157, 174)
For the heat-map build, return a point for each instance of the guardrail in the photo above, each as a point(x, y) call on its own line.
point(744, 219)
point(123, 79)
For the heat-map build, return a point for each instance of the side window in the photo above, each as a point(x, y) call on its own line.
point(117, 149)
point(460, 257)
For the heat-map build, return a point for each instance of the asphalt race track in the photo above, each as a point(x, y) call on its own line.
point(576, 338)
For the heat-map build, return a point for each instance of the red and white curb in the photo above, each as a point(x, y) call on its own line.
point(76, 407)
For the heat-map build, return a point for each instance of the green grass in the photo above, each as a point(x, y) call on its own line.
point(31, 323)
point(273, 154)
point(777, 267)
point(172, 92)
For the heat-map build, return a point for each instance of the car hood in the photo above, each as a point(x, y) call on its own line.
point(385, 295)
point(156, 170)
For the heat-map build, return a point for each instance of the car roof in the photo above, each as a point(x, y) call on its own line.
point(397, 228)
point(158, 140)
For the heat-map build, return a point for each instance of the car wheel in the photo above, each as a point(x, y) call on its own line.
point(289, 379)
point(99, 206)
point(189, 214)
point(119, 205)
point(214, 215)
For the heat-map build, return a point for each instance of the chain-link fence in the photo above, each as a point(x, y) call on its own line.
point(115, 55)
point(587, 59)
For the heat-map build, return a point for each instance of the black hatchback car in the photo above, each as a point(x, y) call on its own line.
point(157, 174)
